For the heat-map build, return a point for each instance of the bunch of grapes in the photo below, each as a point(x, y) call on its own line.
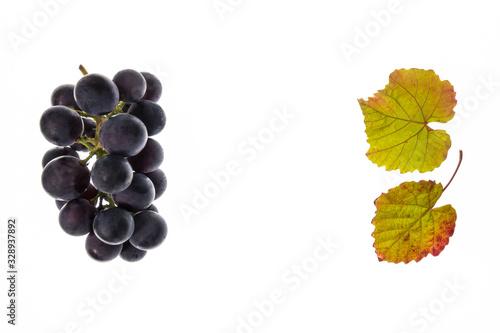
point(110, 201)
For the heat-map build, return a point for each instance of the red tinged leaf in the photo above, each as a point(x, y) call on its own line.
point(407, 224)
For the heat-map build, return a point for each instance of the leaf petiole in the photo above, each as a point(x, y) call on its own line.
point(456, 170)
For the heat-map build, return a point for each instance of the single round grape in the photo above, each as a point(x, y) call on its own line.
point(149, 159)
point(138, 196)
point(113, 225)
point(65, 178)
point(89, 126)
point(153, 89)
point(96, 94)
point(130, 253)
point(76, 217)
point(112, 173)
point(56, 152)
point(150, 230)
point(61, 125)
point(159, 181)
point(131, 85)
point(151, 114)
point(123, 134)
point(64, 95)
point(99, 250)
point(90, 193)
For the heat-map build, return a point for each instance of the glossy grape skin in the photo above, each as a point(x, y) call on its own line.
point(131, 85)
point(150, 230)
point(65, 178)
point(112, 173)
point(61, 125)
point(64, 95)
point(113, 225)
point(138, 196)
point(123, 134)
point(89, 126)
point(131, 254)
point(100, 251)
point(96, 94)
point(149, 159)
point(154, 87)
point(56, 152)
point(89, 194)
point(159, 181)
point(151, 114)
point(76, 217)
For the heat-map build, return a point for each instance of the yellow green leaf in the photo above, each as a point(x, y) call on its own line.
point(397, 119)
point(407, 226)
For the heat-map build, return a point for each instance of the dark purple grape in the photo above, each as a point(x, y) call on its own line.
point(66, 178)
point(76, 217)
point(131, 85)
point(113, 225)
point(96, 94)
point(61, 125)
point(90, 193)
point(159, 181)
point(56, 152)
point(112, 173)
point(153, 208)
point(151, 114)
point(131, 253)
point(153, 89)
point(150, 230)
point(149, 159)
point(123, 134)
point(64, 95)
point(138, 196)
point(89, 126)
point(99, 250)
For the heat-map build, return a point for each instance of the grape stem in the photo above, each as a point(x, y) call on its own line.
point(94, 145)
point(118, 109)
point(97, 197)
point(83, 70)
point(458, 166)
point(98, 122)
point(94, 151)
point(110, 200)
point(85, 143)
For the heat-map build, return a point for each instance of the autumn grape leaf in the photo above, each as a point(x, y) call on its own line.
point(408, 226)
point(397, 119)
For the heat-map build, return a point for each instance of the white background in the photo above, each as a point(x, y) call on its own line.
point(223, 75)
